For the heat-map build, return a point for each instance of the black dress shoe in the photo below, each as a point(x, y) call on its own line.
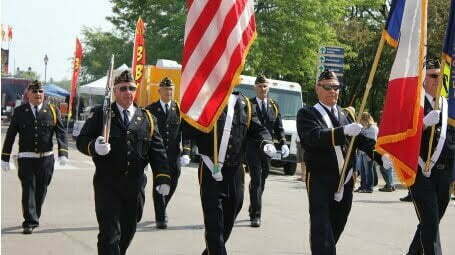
point(387, 189)
point(406, 199)
point(27, 230)
point(161, 224)
point(256, 222)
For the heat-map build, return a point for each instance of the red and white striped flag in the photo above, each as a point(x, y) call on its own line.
point(218, 35)
point(400, 130)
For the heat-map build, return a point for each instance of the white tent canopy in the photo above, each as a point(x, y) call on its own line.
point(98, 87)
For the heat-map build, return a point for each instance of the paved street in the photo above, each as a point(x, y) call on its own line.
point(379, 224)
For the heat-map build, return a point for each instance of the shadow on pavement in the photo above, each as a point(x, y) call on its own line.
point(378, 202)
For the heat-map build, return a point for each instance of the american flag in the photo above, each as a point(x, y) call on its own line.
point(218, 35)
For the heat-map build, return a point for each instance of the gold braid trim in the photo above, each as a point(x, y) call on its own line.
point(149, 117)
point(333, 137)
point(248, 105)
point(274, 106)
point(54, 115)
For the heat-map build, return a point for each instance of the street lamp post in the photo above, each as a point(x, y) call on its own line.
point(46, 59)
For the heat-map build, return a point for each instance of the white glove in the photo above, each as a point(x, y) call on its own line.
point(5, 166)
point(270, 150)
point(218, 176)
point(432, 118)
point(62, 160)
point(163, 189)
point(352, 129)
point(102, 148)
point(426, 173)
point(285, 151)
point(185, 160)
point(386, 161)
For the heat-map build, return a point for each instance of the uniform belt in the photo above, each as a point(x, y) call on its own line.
point(34, 154)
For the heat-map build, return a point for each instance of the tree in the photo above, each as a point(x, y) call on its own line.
point(361, 30)
point(98, 48)
point(165, 25)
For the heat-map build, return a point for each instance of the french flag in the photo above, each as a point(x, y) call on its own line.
point(400, 129)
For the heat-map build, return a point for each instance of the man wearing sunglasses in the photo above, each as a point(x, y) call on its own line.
point(119, 180)
point(258, 163)
point(36, 122)
point(325, 132)
point(431, 190)
point(167, 113)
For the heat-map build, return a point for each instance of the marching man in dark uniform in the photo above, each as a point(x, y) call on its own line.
point(431, 190)
point(324, 130)
point(119, 179)
point(36, 122)
point(258, 163)
point(222, 184)
point(168, 117)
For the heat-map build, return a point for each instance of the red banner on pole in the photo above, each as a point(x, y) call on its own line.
point(76, 71)
point(139, 56)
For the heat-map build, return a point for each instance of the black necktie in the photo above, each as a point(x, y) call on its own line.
point(333, 112)
point(36, 111)
point(126, 120)
point(166, 107)
point(264, 110)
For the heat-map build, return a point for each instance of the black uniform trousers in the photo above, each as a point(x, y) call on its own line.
point(160, 202)
point(35, 175)
point(221, 203)
point(431, 197)
point(119, 203)
point(259, 171)
point(327, 216)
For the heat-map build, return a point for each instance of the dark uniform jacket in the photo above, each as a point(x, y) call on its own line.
point(132, 148)
point(170, 129)
point(271, 120)
point(245, 125)
point(318, 141)
point(35, 135)
point(448, 151)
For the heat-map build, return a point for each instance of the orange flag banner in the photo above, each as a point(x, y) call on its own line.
point(76, 70)
point(139, 56)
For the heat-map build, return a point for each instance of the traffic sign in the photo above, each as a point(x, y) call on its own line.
point(331, 50)
point(331, 60)
point(336, 69)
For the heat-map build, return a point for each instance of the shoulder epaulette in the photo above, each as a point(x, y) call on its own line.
point(150, 119)
point(350, 111)
point(248, 106)
point(274, 106)
point(54, 115)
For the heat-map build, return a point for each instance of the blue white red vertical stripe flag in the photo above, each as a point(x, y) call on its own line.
point(400, 130)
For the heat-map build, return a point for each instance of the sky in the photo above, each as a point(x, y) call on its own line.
point(50, 27)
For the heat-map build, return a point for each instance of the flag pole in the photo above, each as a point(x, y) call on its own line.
point(436, 107)
point(362, 107)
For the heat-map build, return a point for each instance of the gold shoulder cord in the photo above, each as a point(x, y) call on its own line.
point(248, 105)
point(149, 117)
point(54, 115)
point(274, 106)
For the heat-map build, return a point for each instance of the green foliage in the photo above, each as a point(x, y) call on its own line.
point(289, 34)
point(98, 48)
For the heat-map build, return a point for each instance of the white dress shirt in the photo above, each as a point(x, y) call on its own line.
point(33, 108)
point(260, 102)
point(131, 109)
point(335, 110)
point(163, 105)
